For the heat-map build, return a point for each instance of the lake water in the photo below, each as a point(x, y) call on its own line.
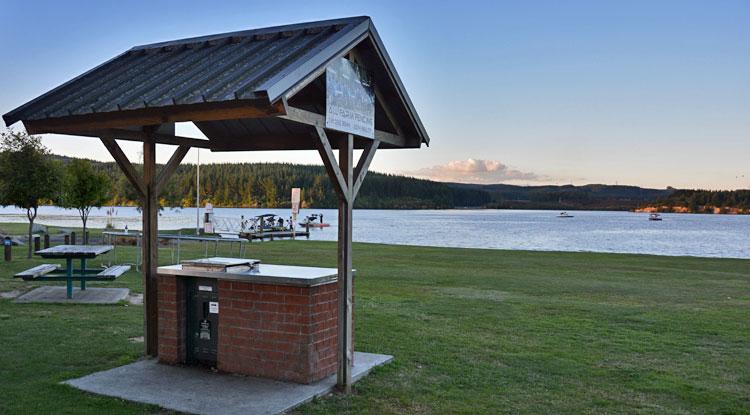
point(626, 232)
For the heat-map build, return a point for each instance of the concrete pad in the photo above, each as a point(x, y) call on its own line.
point(200, 391)
point(58, 294)
point(10, 294)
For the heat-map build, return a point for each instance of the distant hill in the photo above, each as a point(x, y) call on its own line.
point(269, 184)
point(567, 197)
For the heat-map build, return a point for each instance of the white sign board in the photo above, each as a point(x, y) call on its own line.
point(295, 200)
point(350, 99)
point(213, 307)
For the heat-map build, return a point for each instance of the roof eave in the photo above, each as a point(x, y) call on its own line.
point(209, 111)
point(12, 116)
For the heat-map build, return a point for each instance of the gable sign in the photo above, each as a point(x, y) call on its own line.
point(350, 99)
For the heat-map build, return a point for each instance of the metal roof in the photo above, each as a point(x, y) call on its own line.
point(268, 64)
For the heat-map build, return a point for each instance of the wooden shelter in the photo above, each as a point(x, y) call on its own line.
point(262, 89)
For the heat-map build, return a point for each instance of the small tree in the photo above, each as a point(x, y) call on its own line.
point(83, 189)
point(28, 174)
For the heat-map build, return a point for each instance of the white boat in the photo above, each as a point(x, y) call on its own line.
point(564, 215)
point(654, 216)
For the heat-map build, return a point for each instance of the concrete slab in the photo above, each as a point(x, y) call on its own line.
point(10, 294)
point(200, 391)
point(57, 294)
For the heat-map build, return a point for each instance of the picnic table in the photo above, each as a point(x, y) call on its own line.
point(49, 272)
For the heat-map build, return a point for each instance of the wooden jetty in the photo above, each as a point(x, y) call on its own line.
point(274, 234)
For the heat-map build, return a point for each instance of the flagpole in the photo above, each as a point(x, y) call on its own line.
point(198, 193)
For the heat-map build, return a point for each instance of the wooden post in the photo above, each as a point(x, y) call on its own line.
point(46, 240)
point(148, 188)
point(150, 249)
point(345, 350)
point(347, 182)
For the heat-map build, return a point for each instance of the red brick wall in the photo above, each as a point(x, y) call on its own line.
point(324, 332)
point(171, 300)
point(279, 332)
point(274, 331)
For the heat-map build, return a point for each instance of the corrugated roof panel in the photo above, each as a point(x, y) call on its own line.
point(209, 69)
point(185, 82)
point(109, 96)
point(229, 71)
point(262, 65)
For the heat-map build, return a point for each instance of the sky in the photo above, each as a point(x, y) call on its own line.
point(648, 93)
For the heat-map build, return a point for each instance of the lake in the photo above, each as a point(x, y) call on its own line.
point(725, 236)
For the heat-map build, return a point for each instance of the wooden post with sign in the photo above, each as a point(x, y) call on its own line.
point(295, 209)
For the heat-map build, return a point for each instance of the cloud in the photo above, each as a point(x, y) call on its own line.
point(474, 171)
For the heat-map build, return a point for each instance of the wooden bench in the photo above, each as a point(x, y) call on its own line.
point(113, 272)
point(37, 271)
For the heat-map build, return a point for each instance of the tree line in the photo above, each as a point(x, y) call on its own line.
point(568, 197)
point(706, 201)
point(269, 185)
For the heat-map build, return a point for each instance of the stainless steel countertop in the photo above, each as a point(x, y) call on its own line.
point(263, 274)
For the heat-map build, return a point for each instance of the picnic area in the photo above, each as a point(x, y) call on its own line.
point(473, 331)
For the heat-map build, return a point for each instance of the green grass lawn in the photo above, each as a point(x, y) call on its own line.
point(472, 331)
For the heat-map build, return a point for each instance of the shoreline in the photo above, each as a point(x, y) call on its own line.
point(646, 209)
point(96, 231)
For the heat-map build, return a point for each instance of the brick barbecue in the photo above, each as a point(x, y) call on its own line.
point(271, 321)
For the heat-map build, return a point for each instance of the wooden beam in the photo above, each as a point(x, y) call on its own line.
point(345, 350)
point(129, 135)
point(170, 167)
point(329, 160)
point(319, 121)
point(127, 168)
point(149, 245)
point(364, 163)
point(387, 109)
point(215, 111)
point(158, 138)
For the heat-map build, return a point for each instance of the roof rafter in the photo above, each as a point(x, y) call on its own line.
point(178, 113)
point(319, 121)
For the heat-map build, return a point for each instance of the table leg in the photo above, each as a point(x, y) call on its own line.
point(69, 275)
point(83, 274)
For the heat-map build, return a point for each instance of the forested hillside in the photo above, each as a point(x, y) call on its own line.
point(568, 197)
point(706, 201)
point(269, 185)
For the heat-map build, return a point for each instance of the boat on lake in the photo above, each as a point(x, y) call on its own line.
point(564, 215)
point(314, 221)
point(267, 225)
point(654, 216)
